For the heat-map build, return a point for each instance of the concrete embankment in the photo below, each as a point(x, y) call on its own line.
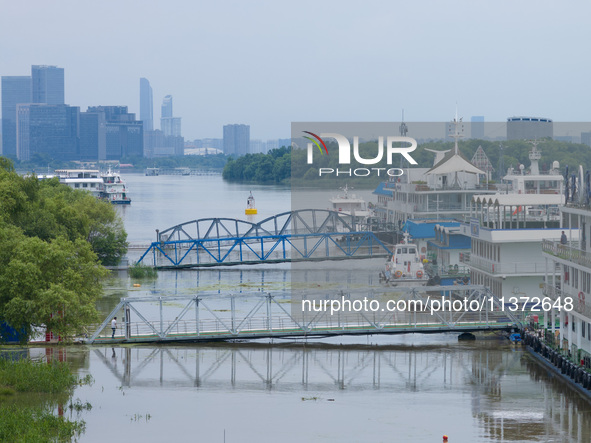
point(575, 375)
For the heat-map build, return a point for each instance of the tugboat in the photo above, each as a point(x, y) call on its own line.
point(250, 207)
point(405, 268)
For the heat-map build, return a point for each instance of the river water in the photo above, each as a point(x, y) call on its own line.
point(413, 388)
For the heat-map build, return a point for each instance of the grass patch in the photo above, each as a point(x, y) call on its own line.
point(50, 384)
point(28, 376)
point(5, 391)
point(140, 271)
point(30, 424)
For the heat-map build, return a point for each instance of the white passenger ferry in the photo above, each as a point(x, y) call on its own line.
point(108, 186)
point(83, 179)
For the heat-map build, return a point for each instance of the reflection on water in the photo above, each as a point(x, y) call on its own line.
point(417, 387)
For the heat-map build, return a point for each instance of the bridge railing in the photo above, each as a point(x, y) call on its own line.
point(267, 315)
point(267, 248)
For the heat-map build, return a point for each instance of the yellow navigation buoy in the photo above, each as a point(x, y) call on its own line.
point(250, 208)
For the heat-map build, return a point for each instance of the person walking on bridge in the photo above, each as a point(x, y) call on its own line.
point(113, 326)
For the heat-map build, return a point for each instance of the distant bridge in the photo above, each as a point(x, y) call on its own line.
point(260, 316)
point(302, 235)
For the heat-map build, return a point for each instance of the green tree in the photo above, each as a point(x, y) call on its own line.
point(51, 240)
point(54, 283)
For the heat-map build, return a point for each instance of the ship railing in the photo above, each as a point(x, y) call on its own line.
point(579, 303)
point(503, 267)
point(567, 252)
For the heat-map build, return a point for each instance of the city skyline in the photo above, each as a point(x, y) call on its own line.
point(268, 65)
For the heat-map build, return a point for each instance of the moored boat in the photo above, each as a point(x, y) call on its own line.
point(405, 267)
point(114, 189)
point(82, 179)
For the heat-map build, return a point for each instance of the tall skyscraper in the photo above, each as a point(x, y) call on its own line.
point(170, 126)
point(146, 105)
point(48, 84)
point(167, 107)
point(15, 90)
point(236, 139)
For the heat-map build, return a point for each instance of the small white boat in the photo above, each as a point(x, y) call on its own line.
point(405, 268)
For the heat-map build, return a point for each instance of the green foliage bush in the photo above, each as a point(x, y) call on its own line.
point(140, 271)
point(20, 423)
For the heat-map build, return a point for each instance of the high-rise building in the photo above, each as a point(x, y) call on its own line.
point(48, 84)
point(47, 130)
point(93, 136)
point(146, 105)
point(15, 90)
point(166, 107)
point(124, 134)
point(236, 139)
point(529, 128)
point(477, 127)
point(171, 126)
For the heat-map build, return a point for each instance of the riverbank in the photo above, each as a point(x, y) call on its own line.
point(575, 375)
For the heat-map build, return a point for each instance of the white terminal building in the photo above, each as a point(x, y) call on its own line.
point(568, 274)
point(507, 230)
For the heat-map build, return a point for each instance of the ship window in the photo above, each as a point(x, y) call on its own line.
point(404, 250)
point(412, 251)
point(77, 185)
point(85, 185)
point(399, 251)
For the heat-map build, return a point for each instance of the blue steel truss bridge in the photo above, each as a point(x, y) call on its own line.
point(215, 317)
point(302, 235)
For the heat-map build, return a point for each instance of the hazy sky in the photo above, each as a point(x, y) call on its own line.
point(268, 63)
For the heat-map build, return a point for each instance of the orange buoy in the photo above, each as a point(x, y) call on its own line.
point(136, 285)
point(445, 438)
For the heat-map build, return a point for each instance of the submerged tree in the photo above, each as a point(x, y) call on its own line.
point(53, 240)
point(47, 283)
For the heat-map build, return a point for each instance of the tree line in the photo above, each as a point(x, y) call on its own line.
point(287, 165)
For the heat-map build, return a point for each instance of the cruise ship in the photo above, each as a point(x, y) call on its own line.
point(108, 186)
